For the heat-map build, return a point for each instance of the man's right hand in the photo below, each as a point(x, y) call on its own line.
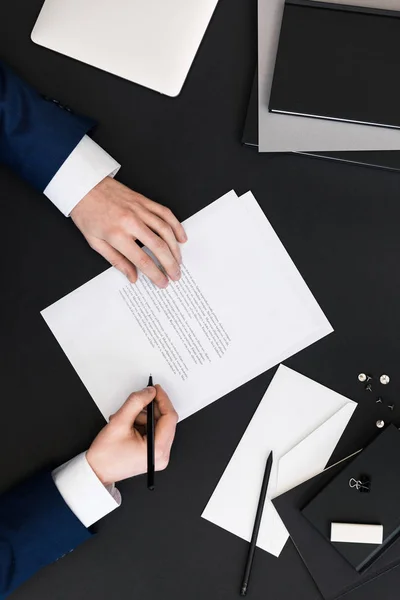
point(120, 449)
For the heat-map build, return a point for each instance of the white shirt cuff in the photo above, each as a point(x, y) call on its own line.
point(83, 491)
point(85, 167)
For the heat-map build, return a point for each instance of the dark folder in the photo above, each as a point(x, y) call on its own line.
point(377, 502)
point(331, 572)
point(338, 62)
point(250, 130)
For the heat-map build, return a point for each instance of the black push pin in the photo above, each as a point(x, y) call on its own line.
point(379, 400)
point(391, 406)
point(368, 387)
point(365, 484)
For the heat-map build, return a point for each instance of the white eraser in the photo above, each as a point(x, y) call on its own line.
point(356, 533)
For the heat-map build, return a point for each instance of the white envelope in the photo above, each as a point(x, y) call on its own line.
point(300, 463)
point(301, 421)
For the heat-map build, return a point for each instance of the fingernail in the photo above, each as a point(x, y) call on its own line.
point(164, 284)
point(184, 236)
point(177, 275)
point(149, 388)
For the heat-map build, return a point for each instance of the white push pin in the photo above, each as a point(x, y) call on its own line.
point(384, 379)
point(380, 424)
point(362, 377)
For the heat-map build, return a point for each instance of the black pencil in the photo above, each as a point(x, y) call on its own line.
point(257, 522)
point(150, 442)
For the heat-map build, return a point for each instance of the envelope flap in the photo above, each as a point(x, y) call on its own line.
point(310, 456)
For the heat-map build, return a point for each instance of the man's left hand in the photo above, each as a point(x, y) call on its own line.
point(112, 217)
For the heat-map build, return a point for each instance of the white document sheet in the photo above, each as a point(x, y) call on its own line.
point(288, 133)
point(240, 308)
point(295, 413)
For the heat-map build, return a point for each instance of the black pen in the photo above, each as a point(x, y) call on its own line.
point(256, 528)
point(150, 441)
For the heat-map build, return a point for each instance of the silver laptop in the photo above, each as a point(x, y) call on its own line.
point(150, 42)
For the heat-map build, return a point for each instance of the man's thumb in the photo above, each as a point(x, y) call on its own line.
point(134, 405)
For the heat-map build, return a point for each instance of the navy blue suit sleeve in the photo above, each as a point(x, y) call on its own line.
point(36, 528)
point(36, 135)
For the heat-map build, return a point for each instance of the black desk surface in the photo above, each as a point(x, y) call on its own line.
point(340, 223)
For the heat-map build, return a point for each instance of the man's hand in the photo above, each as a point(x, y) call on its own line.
point(112, 217)
point(120, 449)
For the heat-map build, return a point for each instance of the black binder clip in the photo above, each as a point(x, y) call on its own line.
point(362, 484)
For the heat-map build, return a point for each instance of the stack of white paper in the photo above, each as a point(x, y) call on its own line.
point(301, 421)
point(240, 308)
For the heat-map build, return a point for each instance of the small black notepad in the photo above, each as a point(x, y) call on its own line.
point(340, 503)
point(338, 62)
